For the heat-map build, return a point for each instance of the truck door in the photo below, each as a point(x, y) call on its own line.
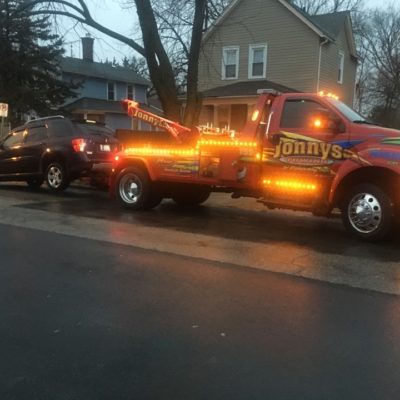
point(306, 135)
point(303, 142)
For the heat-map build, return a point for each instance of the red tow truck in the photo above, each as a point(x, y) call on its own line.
point(299, 151)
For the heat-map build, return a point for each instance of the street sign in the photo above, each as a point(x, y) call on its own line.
point(3, 110)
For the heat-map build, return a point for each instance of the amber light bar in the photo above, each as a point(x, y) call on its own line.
point(331, 95)
point(290, 185)
point(225, 143)
point(154, 151)
point(151, 151)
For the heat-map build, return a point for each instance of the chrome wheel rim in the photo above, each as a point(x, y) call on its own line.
point(365, 213)
point(130, 188)
point(55, 177)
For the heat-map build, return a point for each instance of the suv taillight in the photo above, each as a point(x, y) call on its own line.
point(79, 145)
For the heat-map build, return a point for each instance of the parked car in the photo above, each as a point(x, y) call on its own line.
point(56, 150)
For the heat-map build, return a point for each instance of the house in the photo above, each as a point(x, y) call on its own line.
point(257, 44)
point(102, 86)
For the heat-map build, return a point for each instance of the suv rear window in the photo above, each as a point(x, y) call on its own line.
point(60, 127)
point(93, 129)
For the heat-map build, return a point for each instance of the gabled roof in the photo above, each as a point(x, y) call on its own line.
point(325, 26)
point(107, 106)
point(245, 88)
point(331, 23)
point(98, 105)
point(93, 69)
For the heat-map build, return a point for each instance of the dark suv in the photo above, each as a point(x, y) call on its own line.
point(56, 150)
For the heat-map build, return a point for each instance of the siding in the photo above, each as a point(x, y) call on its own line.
point(292, 55)
point(118, 121)
point(97, 89)
point(141, 93)
point(330, 66)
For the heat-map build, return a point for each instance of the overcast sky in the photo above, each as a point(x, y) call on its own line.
point(110, 14)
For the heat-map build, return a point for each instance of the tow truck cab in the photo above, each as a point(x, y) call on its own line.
point(297, 151)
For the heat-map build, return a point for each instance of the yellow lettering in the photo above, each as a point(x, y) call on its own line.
point(299, 148)
point(313, 149)
point(325, 150)
point(287, 148)
point(278, 150)
point(337, 152)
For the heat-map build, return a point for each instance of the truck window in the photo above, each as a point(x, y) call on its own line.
point(297, 113)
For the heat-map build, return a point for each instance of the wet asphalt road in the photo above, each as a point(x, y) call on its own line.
point(83, 319)
point(114, 319)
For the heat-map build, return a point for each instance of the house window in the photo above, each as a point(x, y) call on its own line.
point(257, 61)
point(111, 91)
point(129, 92)
point(230, 62)
point(341, 67)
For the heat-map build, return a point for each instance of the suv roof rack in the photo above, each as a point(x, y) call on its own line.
point(44, 118)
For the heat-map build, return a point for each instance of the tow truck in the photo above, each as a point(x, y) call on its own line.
point(298, 151)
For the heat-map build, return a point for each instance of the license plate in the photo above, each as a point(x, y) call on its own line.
point(105, 147)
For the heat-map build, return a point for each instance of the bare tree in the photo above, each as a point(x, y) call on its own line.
point(314, 7)
point(381, 44)
point(154, 45)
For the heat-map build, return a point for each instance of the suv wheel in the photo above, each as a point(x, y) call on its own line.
point(56, 177)
point(35, 183)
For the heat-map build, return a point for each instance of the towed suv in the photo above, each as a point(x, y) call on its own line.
point(56, 150)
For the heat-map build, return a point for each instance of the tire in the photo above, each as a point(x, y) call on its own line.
point(35, 183)
point(191, 196)
point(134, 190)
point(56, 177)
point(368, 212)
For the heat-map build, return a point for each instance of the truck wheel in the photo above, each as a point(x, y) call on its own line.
point(191, 196)
point(367, 212)
point(56, 177)
point(134, 190)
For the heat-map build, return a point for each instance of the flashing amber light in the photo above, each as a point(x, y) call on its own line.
point(291, 185)
point(330, 95)
point(317, 123)
point(255, 115)
point(116, 158)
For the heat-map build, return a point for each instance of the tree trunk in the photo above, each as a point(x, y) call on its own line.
point(160, 69)
point(193, 100)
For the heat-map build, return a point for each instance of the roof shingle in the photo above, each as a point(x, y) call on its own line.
point(245, 88)
point(101, 70)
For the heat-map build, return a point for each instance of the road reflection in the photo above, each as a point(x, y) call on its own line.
point(214, 218)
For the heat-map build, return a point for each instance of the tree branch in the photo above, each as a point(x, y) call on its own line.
point(177, 35)
point(85, 18)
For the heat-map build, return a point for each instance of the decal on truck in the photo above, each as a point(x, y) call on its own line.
point(300, 150)
point(186, 166)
